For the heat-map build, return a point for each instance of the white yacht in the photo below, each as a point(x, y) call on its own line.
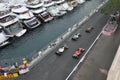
point(73, 3)
point(61, 9)
point(40, 11)
point(26, 16)
point(4, 39)
point(58, 1)
point(67, 7)
point(10, 23)
point(48, 3)
point(55, 11)
point(80, 1)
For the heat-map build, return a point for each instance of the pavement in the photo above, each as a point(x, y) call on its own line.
point(100, 58)
point(114, 71)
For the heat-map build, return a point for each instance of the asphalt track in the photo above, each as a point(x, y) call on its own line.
point(54, 67)
point(96, 66)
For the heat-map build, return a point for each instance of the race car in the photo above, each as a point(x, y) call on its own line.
point(61, 50)
point(78, 52)
point(89, 29)
point(76, 36)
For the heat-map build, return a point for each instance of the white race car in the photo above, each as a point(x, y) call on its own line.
point(61, 50)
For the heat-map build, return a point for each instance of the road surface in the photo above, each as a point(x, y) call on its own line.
point(100, 58)
point(54, 67)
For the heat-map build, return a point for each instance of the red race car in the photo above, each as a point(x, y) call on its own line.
point(78, 52)
point(89, 29)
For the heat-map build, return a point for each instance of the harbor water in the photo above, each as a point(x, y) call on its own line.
point(38, 39)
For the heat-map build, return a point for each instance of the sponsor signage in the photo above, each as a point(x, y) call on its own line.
point(14, 75)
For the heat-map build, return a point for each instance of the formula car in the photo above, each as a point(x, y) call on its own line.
point(78, 52)
point(76, 36)
point(61, 50)
point(89, 29)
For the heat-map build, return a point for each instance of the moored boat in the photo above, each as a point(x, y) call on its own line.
point(10, 23)
point(67, 7)
point(4, 39)
point(39, 11)
point(58, 1)
point(80, 1)
point(55, 11)
point(48, 3)
point(25, 16)
point(73, 3)
point(45, 16)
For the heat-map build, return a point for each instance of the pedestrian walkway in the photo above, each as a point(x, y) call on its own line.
point(114, 72)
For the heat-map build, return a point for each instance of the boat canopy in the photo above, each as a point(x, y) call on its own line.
point(26, 15)
point(2, 36)
point(32, 1)
point(19, 9)
point(80, 1)
point(4, 11)
point(58, 1)
point(37, 11)
point(35, 5)
point(53, 10)
point(9, 21)
point(67, 7)
point(22, 12)
point(48, 3)
point(2, 15)
point(3, 7)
